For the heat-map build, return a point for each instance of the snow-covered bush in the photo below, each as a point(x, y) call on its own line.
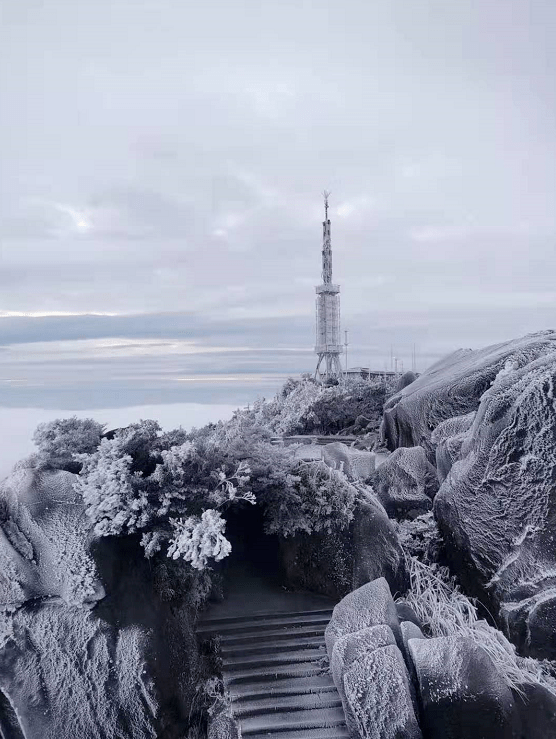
point(61, 440)
point(198, 538)
point(296, 495)
point(419, 536)
point(303, 406)
point(131, 484)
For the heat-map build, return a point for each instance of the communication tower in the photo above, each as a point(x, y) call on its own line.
point(328, 346)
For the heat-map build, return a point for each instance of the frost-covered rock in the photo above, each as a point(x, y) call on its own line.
point(348, 649)
point(369, 605)
point(496, 509)
point(377, 551)
point(337, 563)
point(448, 438)
point(357, 464)
point(377, 692)
point(453, 387)
point(405, 483)
point(409, 630)
point(68, 674)
point(406, 379)
point(44, 533)
point(406, 613)
point(223, 726)
point(536, 706)
point(463, 695)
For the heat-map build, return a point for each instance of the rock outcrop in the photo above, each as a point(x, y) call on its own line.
point(336, 563)
point(369, 605)
point(462, 694)
point(43, 541)
point(487, 419)
point(378, 695)
point(496, 509)
point(406, 483)
point(453, 387)
point(363, 640)
point(95, 641)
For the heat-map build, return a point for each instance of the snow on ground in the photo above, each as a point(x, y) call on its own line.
point(18, 424)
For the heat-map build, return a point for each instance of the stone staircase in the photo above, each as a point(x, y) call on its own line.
point(275, 669)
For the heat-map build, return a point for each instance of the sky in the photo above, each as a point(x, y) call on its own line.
point(161, 173)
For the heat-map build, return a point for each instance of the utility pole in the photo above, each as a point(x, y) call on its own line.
point(346, 346)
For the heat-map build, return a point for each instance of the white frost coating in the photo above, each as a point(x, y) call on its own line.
point(70, 675)
point(43, 540)
point(455, 675)
point(351, 647)
point(369, 605)
point(377, 692)
point(196, 539)
point(499, 501)
point(448, 438)
point(454, 386)
point(357, 464)
point(406, 481)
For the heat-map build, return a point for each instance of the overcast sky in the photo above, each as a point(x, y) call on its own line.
point(161, 169)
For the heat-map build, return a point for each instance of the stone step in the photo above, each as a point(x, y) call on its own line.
point(281, 687)
point(287, 632)
point(305, 701)
point(241, 662)
point(264, 615)
point(233, 626)
point(258, 675)
point(271, 646)
point(336, 732)
point(317, 718)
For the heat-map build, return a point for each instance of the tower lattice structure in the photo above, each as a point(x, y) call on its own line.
point(328, 347)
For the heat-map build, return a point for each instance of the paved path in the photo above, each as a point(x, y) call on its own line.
point(275, 665)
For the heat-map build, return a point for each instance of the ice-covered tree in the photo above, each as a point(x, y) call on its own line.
point(61, 440)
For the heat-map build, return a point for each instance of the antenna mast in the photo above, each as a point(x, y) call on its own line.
point(328, 346)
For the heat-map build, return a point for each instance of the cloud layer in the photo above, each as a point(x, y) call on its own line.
point(161, 169)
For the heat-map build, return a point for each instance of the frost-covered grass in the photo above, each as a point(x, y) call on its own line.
point(445, 611)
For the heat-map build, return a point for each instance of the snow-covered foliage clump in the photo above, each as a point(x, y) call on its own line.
point(175, 495)
point(60, 441)
point(132, 484)
point(199, 538)
point(303, 406)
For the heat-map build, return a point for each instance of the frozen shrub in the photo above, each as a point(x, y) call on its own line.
point(196, 539)
point(61, 440)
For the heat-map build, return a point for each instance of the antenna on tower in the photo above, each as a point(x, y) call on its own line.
point(326, 195)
